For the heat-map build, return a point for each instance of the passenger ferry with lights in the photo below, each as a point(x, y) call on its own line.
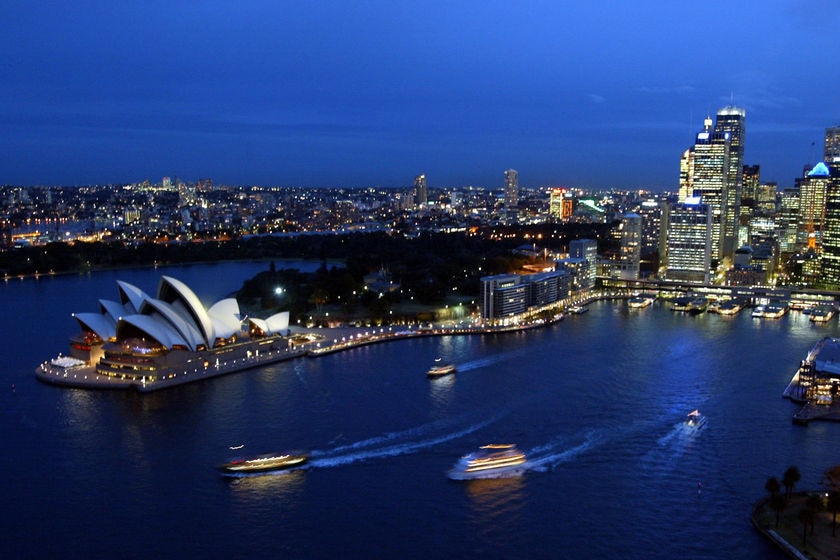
point(493, 460)
point(441, 369)
point(264, 463)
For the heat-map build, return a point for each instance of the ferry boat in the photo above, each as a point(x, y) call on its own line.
point(729, 307)
point(266, 462)
point(697, 305)
point(682, 303)
point(497, 459)
point(637, 302)
point(758, 311)
point(578, 309)
point(441, 370)
point(695, 419)
point(774, 310)
point(822, 314)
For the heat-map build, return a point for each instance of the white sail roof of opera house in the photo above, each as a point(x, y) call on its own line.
point(176, 317)
point(276, 324)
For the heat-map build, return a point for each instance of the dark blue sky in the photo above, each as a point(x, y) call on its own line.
point(591, 94)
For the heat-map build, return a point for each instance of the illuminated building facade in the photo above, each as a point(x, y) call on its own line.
point(502, 295)
point(511, 189)
point(711, 179)
point(586, 249)
point(688, 241)
point(752, 179)
point(832, 145)
point(830, 256)
point(813, 189)
point(421, 196)
point(731, 121)
point(631, 246)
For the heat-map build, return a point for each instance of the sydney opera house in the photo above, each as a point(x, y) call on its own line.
point(155, 342)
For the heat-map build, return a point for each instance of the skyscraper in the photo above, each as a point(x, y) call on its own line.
point(631, 246)
point(830, 257)
point(730, 120)
point(420, 194)
point(586, 249)
point(832, 145)
point(688, 241)
point(511, 189)
point(813, 190)
point(710, 180)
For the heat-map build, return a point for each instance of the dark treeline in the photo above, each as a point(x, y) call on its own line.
point(427, 268)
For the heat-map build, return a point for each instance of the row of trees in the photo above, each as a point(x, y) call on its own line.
point(813, 503)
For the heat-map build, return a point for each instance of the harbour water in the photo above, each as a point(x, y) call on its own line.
point(597, 402)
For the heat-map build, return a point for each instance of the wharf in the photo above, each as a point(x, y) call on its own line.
point(813, 411)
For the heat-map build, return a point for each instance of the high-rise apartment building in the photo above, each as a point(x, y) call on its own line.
point(630, 248)
point(586, 249)
point(832, 145)
point(511, 189)
point(688, 241)
point(421, 196)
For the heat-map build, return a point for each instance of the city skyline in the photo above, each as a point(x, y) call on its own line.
point(326, 94)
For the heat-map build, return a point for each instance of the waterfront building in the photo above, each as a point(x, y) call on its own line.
point(577, 272)
point(144, 340)
point(586, 249)
point(651, 212)
point(421, 197)
point(502, 295)
point(688, 241)
point(630, 250)
point(832, 145)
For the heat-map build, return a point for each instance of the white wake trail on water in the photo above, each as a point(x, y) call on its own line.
point(394, 443)
point(548, 456)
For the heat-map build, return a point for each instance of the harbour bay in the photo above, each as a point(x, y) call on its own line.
point(596, 401)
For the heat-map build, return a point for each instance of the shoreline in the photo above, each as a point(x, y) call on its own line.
point(819, 545)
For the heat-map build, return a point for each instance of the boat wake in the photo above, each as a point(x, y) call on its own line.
point(546, 457)
point(391, 444)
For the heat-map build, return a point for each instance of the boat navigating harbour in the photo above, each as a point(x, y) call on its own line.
point(496, 460)
point(441, 369)
point(695, 420)
point(265, 463)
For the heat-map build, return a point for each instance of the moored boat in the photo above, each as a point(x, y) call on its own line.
point(493, 460)
point(729, 307)
point(637, 302)
point(266, 462)
point(822, 313)
point(774, 310)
